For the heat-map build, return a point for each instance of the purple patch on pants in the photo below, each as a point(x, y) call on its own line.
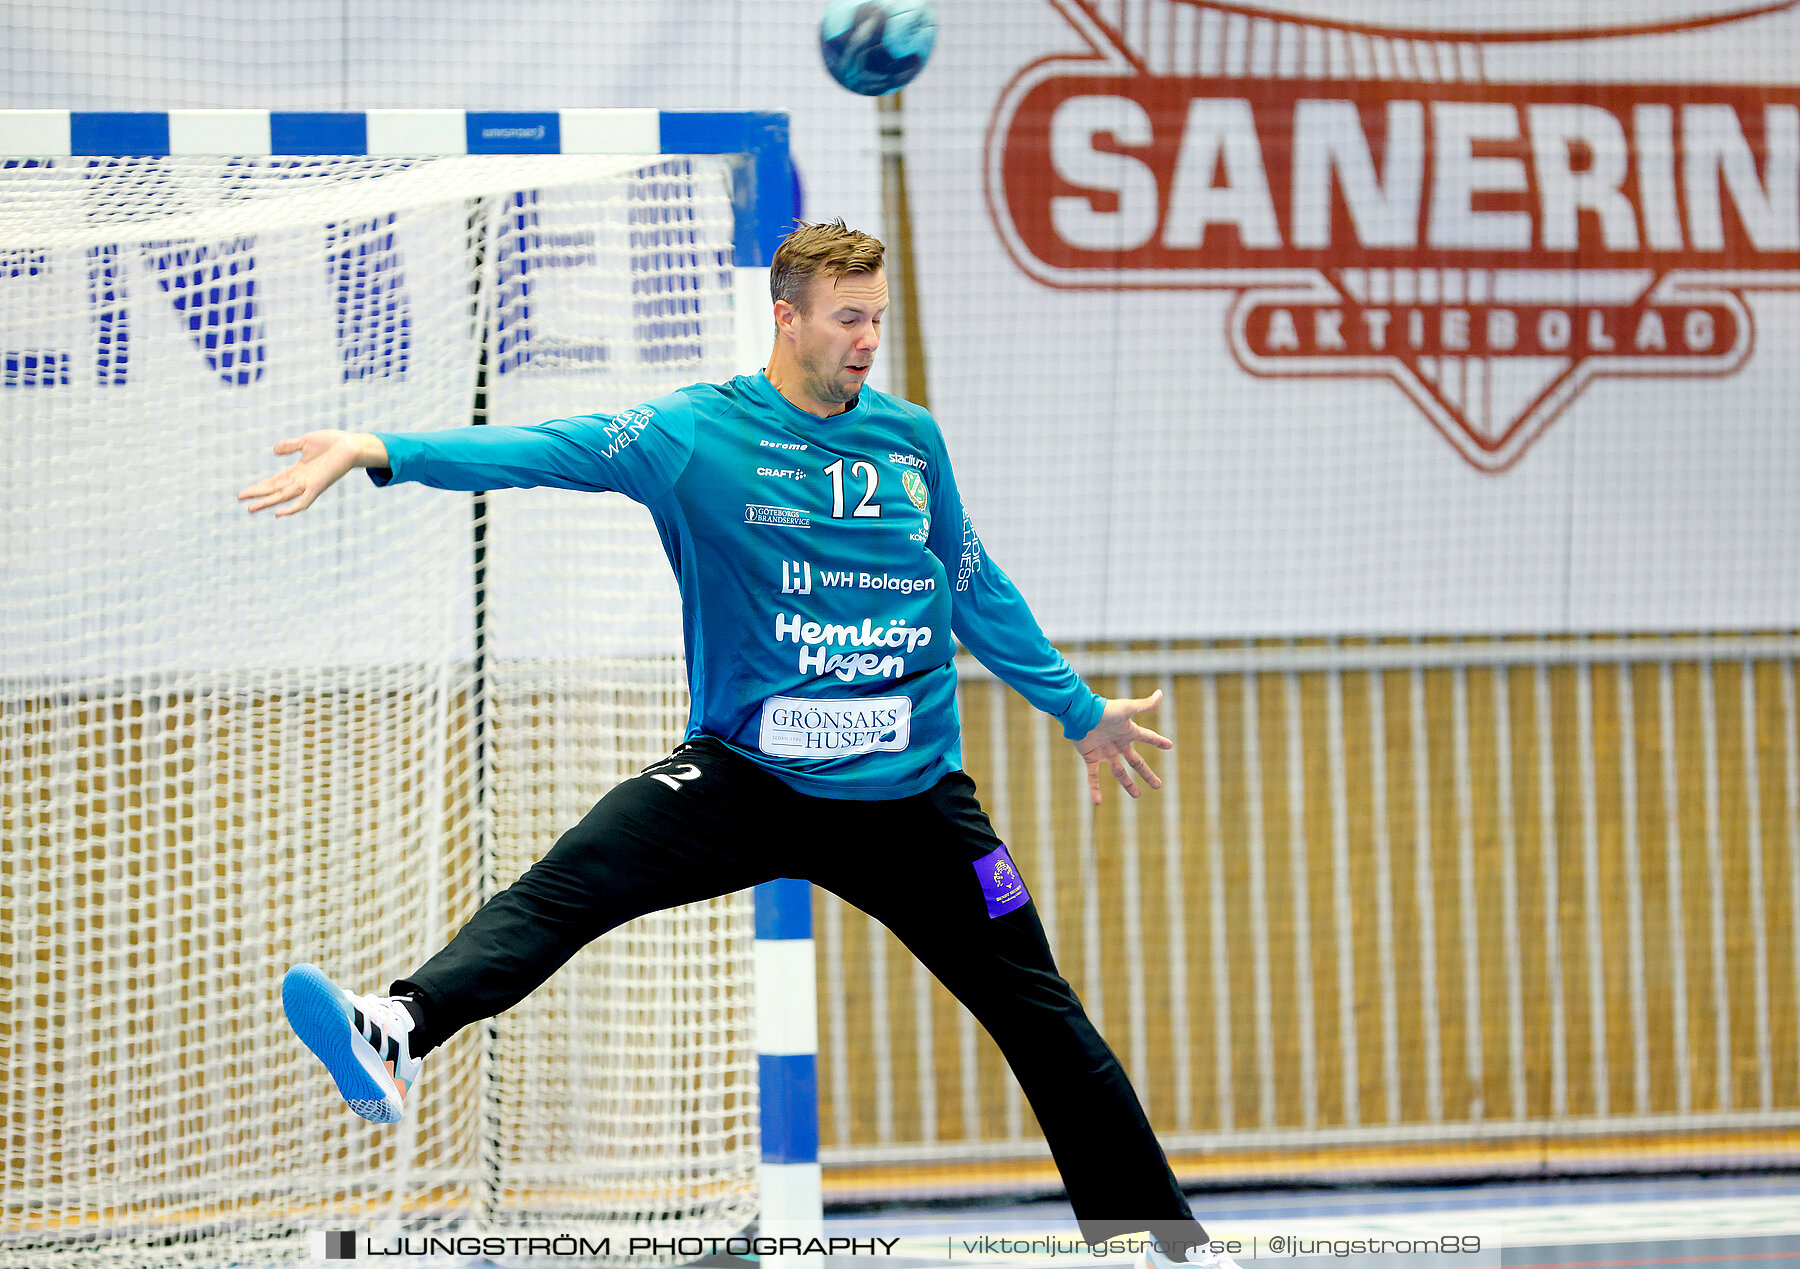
point(1001, 884)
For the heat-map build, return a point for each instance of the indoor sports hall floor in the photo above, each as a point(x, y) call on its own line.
point(1741, 1221)
point(1726, 1222)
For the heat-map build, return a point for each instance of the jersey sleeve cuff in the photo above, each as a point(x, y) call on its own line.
point(383, 476)
point(1083, 716)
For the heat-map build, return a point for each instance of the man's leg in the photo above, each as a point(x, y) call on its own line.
point(919, 879)
point(691, 827)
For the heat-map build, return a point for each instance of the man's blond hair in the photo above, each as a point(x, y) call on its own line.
point(832, 249)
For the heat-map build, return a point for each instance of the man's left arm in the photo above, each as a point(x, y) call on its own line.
point(993, 621)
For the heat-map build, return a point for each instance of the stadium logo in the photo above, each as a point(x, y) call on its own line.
point(1382, 209)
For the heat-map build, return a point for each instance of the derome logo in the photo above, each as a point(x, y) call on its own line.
point(1380, 208)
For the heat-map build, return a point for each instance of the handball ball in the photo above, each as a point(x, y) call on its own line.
point(875, 47)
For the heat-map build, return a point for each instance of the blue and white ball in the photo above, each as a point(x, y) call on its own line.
point(875, 47)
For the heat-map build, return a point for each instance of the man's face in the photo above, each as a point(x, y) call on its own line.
point(836, 335)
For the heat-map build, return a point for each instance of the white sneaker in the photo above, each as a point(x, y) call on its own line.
point(1153, 1259)
point(362, 1040)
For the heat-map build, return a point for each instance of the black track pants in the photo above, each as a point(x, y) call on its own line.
point(706, 821)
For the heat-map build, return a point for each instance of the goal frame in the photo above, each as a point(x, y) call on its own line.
point(764, 201)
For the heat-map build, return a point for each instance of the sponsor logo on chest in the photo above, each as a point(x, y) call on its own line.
point(780, 517)
point(799, 576)
point(839, 649)
point(797, 728)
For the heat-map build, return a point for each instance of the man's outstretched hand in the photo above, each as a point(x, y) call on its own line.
point(1111, 740)
point(324, 458)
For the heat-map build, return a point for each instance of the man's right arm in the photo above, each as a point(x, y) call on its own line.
point(638, 453)
point(561, 454)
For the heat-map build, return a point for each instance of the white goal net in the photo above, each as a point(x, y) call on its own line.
point(230, 744)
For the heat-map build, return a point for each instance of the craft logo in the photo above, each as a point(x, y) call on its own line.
point(1382, 208)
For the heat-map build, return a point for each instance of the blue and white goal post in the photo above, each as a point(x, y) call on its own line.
point(763, 189)
point(212, 308)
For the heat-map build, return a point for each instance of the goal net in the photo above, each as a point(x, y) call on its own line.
point(228, 744)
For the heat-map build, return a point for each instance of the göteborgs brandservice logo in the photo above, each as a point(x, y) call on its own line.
point(1381, 208)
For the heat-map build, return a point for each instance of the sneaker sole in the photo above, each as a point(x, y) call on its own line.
point(320, 1015)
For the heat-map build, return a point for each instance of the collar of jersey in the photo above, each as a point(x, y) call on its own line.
point(854, 413)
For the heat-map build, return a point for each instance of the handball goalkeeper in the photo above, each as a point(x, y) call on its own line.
point(825, 562)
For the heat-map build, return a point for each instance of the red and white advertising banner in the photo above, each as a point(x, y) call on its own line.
point(1307, 317)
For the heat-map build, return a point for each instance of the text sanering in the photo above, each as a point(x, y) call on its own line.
point(828, 648)
point(1192, 174)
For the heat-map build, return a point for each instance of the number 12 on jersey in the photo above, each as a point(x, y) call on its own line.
point(868, 508)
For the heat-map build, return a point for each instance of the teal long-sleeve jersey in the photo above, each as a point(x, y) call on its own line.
point(824, 565)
